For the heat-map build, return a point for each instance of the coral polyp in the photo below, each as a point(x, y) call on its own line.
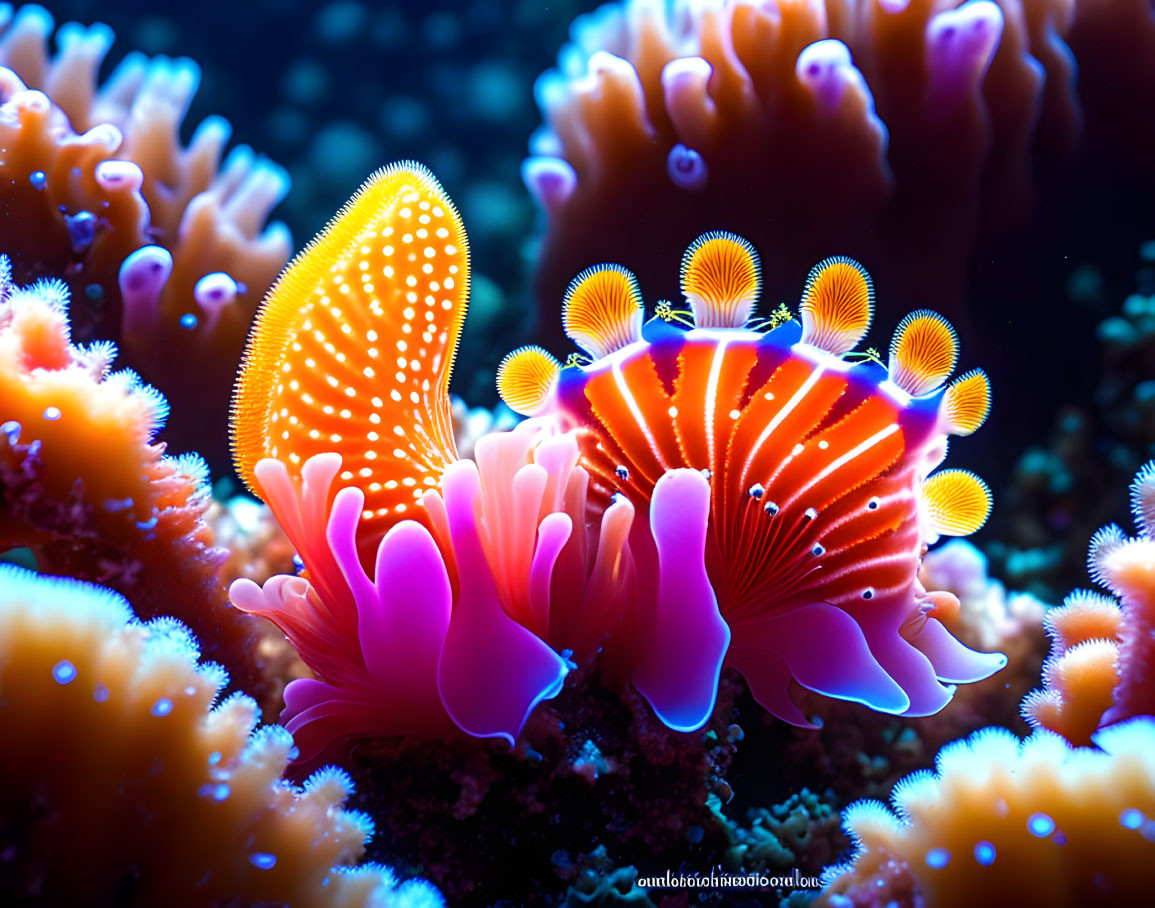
point(1099, 671)
point(818, 463)
point(1034, 821)
point(130, 516)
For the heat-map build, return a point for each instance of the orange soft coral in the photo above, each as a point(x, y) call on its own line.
point(85, 488)
point(163, 246)
point(118, 734)
point(1103, 651)
point(1080, 675)
point(1004, 822)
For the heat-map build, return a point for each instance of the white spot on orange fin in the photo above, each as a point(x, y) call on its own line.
point(319, 340)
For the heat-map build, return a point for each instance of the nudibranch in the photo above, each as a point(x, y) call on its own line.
point(818, 462)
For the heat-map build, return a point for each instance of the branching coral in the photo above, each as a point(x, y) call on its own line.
point(1007, 822)
point(813, 465)
point(803, 833)
point(897, 132)
point(1103, 651)
point(85, 488)
point(117, 731)
point(1080, 674)
point(162, 246)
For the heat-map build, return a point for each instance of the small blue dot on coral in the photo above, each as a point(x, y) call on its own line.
point(162, 707)
point(63, 671)
point(937, 858)
point(263, 861)
point(1040, 825)
point(188, 321)
point(1131, 818)
point(52, 413)
point(985, 853)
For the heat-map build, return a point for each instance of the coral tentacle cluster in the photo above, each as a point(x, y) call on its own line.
point(816, 463)
point(118, 730)
point(163, 246)
point(927, 126)
point(86, 488)
point(1010, 822)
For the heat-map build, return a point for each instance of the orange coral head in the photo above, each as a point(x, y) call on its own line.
point(353, 348)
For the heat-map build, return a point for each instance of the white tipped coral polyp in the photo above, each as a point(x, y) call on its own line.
point(164, 246)
point(85, 486)
point(905, 133)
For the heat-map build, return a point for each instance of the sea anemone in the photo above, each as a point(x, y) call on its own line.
point(901, 133)
point(163, 246)
point(396, 652)
point(517, 569)
point(128, 784)
point(812, 463)
point(128, 516)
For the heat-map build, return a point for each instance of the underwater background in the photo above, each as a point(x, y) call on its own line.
point(732, 269)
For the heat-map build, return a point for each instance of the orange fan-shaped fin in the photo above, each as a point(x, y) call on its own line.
point(602, 310)
point(923, 353)
point(837, 305)
point(721, 279)
point(353, 347)
point(525, 378)
point(957, 501)
point(968, 401)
